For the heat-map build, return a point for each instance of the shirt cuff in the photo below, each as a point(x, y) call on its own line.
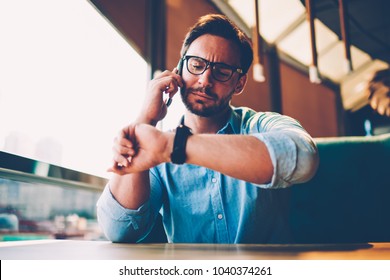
point(117, 212)
point(283, 153)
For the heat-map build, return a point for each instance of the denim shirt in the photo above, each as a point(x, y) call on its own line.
point(200, 205)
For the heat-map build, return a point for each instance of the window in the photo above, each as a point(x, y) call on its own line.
point(45, 211)
point(68, 83)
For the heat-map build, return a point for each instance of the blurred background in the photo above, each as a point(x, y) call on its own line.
point(72, 73)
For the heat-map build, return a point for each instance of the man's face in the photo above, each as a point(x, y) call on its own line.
point(203, 95)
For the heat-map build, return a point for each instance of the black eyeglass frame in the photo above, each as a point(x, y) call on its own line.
point(212, 66)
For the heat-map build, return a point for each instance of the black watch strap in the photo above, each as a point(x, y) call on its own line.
point(178, 154)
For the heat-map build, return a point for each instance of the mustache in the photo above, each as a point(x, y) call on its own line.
point(204, 90)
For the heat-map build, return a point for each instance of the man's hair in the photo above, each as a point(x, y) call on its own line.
point(220, 25)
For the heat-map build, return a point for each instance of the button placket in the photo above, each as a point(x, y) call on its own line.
point(218, 210)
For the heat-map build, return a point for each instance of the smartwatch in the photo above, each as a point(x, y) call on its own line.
point(178, 155)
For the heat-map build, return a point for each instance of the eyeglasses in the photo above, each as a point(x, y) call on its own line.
point(220, 71)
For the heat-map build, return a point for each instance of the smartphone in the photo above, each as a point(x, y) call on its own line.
point(179, 68)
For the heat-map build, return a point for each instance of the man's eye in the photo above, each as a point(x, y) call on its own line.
point(197, 66)
point(223, 71)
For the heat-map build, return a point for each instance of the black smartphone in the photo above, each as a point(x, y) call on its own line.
point(179, 68)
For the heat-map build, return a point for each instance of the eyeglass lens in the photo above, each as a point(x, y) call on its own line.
point(220, 71)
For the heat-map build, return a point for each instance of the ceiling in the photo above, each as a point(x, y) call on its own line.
point(369, 24)
point(284, 23)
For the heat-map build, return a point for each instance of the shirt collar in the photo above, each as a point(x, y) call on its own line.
point(233, 124)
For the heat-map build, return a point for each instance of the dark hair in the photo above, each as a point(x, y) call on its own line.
point(220, 25)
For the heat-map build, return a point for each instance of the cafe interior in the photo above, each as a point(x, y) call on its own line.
point(324, 63)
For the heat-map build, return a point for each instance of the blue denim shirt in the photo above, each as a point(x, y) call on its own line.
point(201, 205)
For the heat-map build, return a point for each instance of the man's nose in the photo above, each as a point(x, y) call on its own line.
point(206, 79)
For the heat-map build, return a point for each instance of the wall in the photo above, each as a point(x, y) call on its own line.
point(129, 18)
point(315, 106)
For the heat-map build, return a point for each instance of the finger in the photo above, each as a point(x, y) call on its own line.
point(171, 87)
point(388, 111)
point(124, 147)
point(115, 168)
point(120, 152)
point(121, 160)
point(123, 137)
point(383, 104)
point(119, 169)
point(374, 102)
point(124, 151)
point(125, 143)
point(173, 77)
point(178, 77)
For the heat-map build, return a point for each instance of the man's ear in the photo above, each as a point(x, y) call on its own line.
point(240, 84)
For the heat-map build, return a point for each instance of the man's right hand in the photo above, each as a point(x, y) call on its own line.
point(139, 147)
point(154, 108)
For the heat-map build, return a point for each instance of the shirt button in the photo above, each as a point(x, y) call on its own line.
point(220, 216)
point(214, 180)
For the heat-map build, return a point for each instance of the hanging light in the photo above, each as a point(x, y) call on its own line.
point(345, 35)
point(313, 68)
point(258, 69)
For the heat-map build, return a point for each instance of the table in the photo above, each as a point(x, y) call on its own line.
point(105, 250)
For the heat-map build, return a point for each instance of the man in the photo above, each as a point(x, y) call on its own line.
point(212, 178)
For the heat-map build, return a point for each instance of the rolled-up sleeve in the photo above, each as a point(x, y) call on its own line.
point(293, 152)
point(120, 224)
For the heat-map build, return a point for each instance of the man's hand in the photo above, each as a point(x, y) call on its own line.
point(154, 108)
point(378, 92)
point(139, 147)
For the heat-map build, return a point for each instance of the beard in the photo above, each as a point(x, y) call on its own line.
point(201, 108)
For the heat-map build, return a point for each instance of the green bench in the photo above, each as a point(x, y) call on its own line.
point(348, 200)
